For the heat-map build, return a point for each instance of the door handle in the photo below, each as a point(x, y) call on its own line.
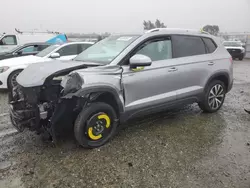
point(172, 69)
point(211, 63)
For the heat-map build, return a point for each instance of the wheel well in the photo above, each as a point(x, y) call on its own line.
point(108, 98)
point(11, 74)
point(222, 78)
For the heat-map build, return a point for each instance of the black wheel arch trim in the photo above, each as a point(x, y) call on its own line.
point(217, 74)
point(100, 89)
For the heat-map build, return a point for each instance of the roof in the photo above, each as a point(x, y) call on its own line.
point(36, 43)
point(177, 31)
point(157, 31)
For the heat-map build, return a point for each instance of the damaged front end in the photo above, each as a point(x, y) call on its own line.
point(44, 108)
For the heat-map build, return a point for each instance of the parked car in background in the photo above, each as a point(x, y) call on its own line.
point(236, 49)
point(10, 68)
point(119, 78)
point(8, 41)
point(24, 50)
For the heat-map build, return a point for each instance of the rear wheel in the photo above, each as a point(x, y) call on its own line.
point(11, 82)
point(214, 97)
point(95, 125)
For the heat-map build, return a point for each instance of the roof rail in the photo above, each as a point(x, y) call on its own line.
point(176, 29)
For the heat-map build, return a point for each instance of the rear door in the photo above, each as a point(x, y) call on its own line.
point(153, 85)
point(193, 64)
point(68, 52)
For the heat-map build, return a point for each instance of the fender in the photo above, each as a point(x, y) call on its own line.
point(217, 74)
point(99, 88)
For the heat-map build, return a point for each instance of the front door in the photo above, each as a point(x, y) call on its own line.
point(155, 84)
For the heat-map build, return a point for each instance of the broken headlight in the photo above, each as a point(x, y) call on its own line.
point(72, 83)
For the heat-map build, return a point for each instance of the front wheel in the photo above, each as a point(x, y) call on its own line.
point(214, 96)
point(11, 82)
point(241, 58)
point(95, 125)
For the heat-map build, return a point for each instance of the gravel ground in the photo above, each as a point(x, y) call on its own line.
point(181, 148)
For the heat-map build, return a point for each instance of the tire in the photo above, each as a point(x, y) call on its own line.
point(12, 76)
point(206, 103)
point(241, 58)
point(85, 125)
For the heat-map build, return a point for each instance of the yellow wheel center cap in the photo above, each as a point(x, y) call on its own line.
point(100, 135)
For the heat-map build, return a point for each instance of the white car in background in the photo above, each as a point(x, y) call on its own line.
point(10, 68)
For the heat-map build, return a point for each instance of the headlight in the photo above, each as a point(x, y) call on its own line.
point(243, 50)
point(72, 83)
point(3, 69)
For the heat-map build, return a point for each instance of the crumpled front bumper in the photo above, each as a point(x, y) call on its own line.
point(24, 118)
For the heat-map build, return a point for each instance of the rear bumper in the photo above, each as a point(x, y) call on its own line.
point(230, 86)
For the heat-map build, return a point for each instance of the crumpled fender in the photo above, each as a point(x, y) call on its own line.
point(99, 88)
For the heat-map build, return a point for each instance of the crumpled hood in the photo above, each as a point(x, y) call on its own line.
point(36, 74)
point(100, 74)
point(21, 60)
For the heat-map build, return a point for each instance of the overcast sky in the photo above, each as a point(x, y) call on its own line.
point(122, 15)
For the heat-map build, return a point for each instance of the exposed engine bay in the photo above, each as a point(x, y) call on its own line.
point(41, 108)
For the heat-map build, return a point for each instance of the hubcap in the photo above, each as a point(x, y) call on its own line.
point(98, 126)
point(216, 97)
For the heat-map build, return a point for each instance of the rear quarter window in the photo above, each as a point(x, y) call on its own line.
point(210, 45)
point(184, 45)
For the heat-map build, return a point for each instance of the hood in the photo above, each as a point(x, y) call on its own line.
point(21, 60)
point(36, 74)
point(107, 69)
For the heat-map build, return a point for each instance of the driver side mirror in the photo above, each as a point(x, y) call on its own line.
point(19, 52)
point(55, 55)
point(139, 60)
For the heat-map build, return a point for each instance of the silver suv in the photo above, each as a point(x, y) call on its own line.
point(119, 78)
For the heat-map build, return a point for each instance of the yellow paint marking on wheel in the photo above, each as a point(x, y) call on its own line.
point(104, 116)
point(92, 136)
point(138, 69)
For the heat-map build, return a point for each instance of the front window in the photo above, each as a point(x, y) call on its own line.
point(9, 40)
point(47, 51)
point(234, 44)
point(106, 50)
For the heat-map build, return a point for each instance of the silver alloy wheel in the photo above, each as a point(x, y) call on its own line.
point(216, 97)
point(13, 81)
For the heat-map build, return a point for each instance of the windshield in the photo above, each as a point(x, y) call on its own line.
point(47, 51)
point(106, 50)
point(236, 44)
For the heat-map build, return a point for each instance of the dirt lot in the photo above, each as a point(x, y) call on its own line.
point(181, 148)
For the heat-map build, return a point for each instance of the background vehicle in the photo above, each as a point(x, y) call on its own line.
point(9, 41)
point(10, 68)
point(24, 50)
point(236, 49)
point(134, 75)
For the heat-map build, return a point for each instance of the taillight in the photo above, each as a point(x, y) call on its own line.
point(231, 60)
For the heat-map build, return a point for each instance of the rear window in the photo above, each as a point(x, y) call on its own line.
point(211, 46)
point(187, 46)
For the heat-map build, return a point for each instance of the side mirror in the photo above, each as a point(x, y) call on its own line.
point(19, 52)
point(139, 60)
point(55, 55)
